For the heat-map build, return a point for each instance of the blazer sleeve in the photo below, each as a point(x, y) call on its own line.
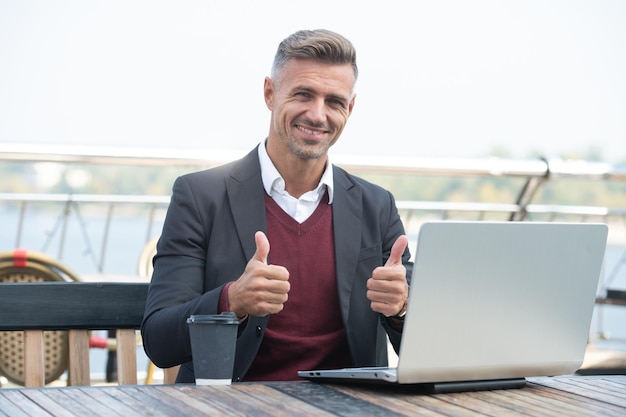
point(176, 289)
point(395, 229)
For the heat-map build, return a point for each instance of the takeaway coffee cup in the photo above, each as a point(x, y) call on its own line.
point(213, 340)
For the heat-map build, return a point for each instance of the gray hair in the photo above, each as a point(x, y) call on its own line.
point(320, 45)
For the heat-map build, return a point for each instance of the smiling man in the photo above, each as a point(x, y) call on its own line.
point(312, 260)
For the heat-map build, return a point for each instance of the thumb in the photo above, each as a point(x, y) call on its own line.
point(395, 257)
point(262, 247)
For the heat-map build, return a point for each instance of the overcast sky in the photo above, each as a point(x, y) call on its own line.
point(437, 78)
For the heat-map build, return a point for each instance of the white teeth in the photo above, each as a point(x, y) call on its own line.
point(309, 131)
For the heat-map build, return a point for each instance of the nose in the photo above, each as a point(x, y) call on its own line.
point(316, 111)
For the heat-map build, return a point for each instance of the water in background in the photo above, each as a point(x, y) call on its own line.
point(83, 248)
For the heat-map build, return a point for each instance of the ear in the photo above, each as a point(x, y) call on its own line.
point(268, 92)
point(351, 104)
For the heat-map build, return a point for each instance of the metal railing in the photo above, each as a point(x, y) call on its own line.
point(532, 174)
point(147, 212)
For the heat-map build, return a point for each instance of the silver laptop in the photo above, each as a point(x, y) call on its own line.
point(494, 302)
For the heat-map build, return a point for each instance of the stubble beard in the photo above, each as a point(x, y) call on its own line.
point(303, 151)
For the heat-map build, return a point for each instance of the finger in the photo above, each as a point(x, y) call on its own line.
point(395, 257)
point(276, 298)
point(386, 284)
point(383, 308)
point(277, 280)
point(262, 247)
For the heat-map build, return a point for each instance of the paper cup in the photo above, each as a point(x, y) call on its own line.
point(213, 341)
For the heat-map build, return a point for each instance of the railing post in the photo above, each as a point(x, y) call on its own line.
point(20, 224)
point(105, 237)
point(66, 215)
point(526, 195)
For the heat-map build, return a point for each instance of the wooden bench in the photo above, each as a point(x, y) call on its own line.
point(77, 307)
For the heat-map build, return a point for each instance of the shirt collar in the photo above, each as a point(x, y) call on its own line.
point(272, 179)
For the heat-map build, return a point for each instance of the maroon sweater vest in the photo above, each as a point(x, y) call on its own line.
point(309, 332)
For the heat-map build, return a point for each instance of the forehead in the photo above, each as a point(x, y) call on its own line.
point(322, 76)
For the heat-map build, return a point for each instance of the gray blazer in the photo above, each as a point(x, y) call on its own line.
point(208, 238)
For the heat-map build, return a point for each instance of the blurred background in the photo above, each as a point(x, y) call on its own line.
point(449, 78)
point(98, 99)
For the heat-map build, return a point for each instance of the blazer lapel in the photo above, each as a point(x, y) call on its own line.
point(347, 218)
point(247, 201)
point(246, 196)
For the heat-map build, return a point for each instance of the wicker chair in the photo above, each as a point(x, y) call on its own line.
point(27, 266)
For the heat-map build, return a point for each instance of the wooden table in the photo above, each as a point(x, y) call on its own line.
point(564, 396)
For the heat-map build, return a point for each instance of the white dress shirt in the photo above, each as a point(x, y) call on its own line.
point(298, 208)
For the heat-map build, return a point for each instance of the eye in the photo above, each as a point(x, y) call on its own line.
point(335, 102)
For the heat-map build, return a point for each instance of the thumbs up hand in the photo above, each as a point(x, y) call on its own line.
point(262, 289)
point(388, 289)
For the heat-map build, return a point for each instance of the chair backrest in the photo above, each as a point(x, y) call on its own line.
point(77, 307)
point(145, 268)
point(20, 265)
point(28, 266)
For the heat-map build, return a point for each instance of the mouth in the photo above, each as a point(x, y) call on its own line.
point(311, 131)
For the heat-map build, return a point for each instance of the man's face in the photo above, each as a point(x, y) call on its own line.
point(310, 103)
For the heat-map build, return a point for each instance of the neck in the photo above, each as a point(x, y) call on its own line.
point(300, 175)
